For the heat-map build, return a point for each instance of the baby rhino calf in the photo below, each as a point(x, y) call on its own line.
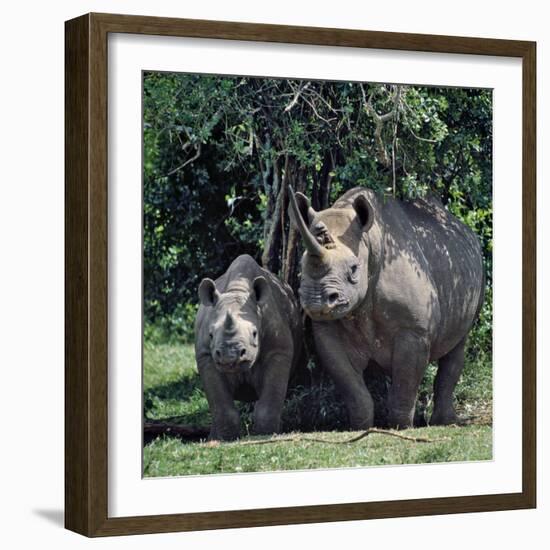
point(248, 341)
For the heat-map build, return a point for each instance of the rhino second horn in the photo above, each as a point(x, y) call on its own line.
point(310, 242)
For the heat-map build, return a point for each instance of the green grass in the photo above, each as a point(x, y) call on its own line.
point(171, 384)
point(172, 388)
point(169, 457)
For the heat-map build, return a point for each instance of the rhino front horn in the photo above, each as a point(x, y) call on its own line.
point(310, 242)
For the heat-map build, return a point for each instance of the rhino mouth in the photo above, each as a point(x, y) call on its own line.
point(330, 314)
point(236, 367)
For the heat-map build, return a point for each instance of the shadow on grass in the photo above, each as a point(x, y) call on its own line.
point(308, 408)
point(178, 389)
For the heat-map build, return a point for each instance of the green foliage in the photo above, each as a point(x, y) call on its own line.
point(177, 327)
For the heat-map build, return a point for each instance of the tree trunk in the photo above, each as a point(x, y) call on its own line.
point(271, 258)
point(325, 180)
point(315, 199)
point(291, 263)
point(271, 186)
point(281, 240)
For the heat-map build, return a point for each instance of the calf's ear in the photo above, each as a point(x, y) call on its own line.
point(261, 289)
point(365, 212)
point(208, 293)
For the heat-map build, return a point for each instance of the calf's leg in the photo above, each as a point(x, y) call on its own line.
point(272, 391)
point(225, 416)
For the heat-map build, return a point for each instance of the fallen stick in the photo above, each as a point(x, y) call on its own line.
point(154, 429)
point(354, 439)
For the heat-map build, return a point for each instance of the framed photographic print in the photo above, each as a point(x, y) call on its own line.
point(300, 275)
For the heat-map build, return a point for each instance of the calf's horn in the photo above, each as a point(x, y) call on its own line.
point(229, 323)
point(310, 242)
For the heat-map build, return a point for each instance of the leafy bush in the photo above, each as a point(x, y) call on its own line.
point(174, 328)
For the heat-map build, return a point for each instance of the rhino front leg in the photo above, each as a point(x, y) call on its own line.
point(273, 386)
point(409, 361)
point(348, 379)
point(225, 416)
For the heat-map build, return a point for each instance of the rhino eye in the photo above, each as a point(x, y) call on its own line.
point(211, 335)
point(254, 334)
point(353, 273)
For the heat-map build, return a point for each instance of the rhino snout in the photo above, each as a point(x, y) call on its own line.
point(330, 302)
point(232, 357)
point(334, 298)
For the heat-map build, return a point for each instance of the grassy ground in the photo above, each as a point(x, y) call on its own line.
point(172, 389)
point(168, 456)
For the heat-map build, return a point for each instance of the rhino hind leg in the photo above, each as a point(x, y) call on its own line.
point(409, 361)
point(448, 373)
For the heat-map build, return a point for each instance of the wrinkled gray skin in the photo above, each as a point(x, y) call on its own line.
point(248, 341)
point(397, 283)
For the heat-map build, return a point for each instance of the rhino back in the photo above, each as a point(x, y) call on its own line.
point(429, 268)
point(453, 254)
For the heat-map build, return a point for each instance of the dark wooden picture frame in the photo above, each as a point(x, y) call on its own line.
point(86, 284)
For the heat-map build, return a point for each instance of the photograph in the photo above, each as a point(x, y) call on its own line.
point(317, 274)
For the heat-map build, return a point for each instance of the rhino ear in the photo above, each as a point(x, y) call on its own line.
point(304, 207)
point(364, 211)
point(261, 289)
point(208, 293)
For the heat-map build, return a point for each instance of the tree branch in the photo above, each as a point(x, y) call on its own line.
point(362, 435)
point(188, 161)
point(296, 97)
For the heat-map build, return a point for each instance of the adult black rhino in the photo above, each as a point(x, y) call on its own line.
point(248, 341)
point(396, 282)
